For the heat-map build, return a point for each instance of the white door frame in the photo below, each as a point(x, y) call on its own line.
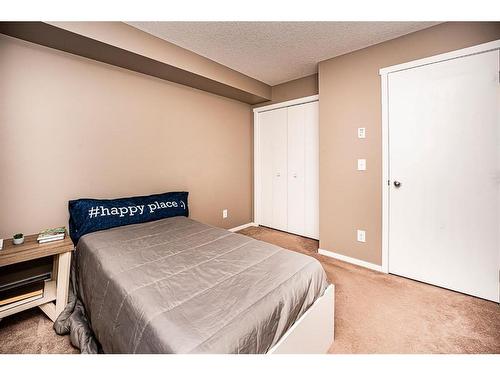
point(256, 147)
point(384, 72)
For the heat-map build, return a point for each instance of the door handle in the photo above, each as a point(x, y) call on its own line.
point(278, 174)
point(294, 175)
point(397, 184)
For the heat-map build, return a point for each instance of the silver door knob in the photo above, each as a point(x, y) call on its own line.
point(397, 184)
point(294, 175)
point(278, 174)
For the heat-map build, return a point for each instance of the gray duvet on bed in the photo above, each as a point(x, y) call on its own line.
point(179, 286)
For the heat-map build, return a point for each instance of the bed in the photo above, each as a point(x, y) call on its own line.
point(179, 286)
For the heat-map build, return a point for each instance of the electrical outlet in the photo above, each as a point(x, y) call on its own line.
point(361, 164)
point(224, 213)
point(361, 235)
point(361, 133)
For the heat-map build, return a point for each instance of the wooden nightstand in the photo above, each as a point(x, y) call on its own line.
point(55, 295)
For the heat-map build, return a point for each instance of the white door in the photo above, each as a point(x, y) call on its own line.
point(273, 166)
point(303, 170)
point(444, 154)
point(311, 170)
point(296, 168)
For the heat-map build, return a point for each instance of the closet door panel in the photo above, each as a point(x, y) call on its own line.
point(273, 166)
point(266, 169)
point(289, 163)
point(296, 150)
point(311, 170)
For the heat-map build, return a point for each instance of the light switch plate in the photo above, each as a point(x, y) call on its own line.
point(361, 164)
point(224, 213)
point(362, 133)
point(361, 235)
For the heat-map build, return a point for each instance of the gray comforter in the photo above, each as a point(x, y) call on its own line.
point(179, 286)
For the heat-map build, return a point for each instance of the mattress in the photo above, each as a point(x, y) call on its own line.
point(180, 286)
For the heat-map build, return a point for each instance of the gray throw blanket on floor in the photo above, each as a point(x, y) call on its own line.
point(73, 321)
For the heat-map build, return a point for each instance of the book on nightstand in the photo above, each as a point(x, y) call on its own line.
point(52, 234)
point(25, 293)
point(24, 282)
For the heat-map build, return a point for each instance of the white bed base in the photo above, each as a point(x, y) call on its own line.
point(313, 333)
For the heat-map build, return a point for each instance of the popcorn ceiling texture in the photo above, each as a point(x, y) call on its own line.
point(276, 52)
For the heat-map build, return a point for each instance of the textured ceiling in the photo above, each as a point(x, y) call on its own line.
point(276, 52)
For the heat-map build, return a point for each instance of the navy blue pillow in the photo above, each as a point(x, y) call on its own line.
point(91, 215)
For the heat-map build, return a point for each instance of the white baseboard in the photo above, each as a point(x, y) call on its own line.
point(235, 229)
point(347, 259)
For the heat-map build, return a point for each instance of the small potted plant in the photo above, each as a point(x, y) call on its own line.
point(18, 239)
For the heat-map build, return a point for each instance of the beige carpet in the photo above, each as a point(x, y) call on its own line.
point(31, 332)
point(374, 313)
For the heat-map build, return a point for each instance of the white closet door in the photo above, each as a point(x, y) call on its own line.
point(444, 152)
point(311, 170)
point(303, 174)
point(296, 167)
point(273, 164)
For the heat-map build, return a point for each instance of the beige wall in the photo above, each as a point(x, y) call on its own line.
point(72, 127)
point(349, 88)
point(129, 38)
point(121, 45)
point(298, 88)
